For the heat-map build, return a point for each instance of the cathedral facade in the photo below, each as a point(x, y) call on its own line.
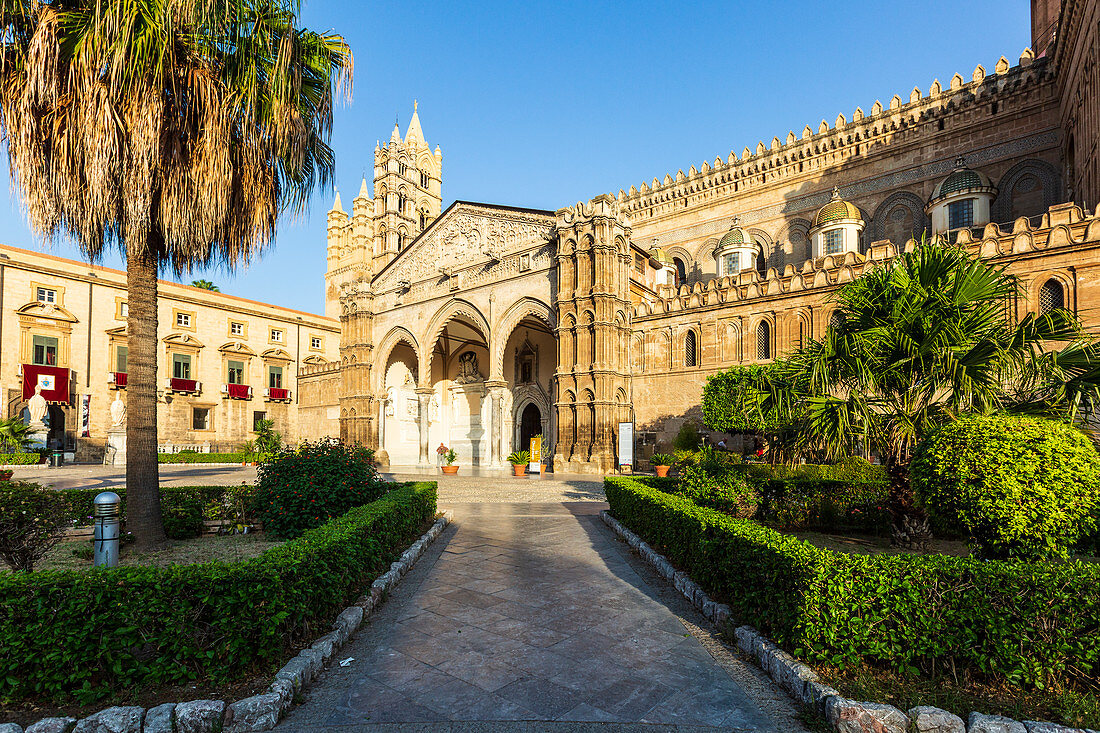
point(480, 326)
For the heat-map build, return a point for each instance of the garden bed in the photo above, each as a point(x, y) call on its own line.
point(1013, 624)
point(208, 548)
point(67, 636)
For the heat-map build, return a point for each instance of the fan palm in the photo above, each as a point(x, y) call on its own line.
point(915, 343)
point(175, 130)
point(205, 285)
point(14, 434)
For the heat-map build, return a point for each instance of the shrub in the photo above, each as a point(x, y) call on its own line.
point(20, 459)
point(1018, 486)
point(718, 487)
point(305, 488)
point(1016, 622)
point(32, 520)
point(183, 508)
point(89, 634)
point(182, 514)
point(520, 458)
point(184, 457)
point(827, 504)
point(688, 437)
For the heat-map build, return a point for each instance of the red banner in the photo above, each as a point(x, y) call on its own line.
point(53, 380)
point(239, 391)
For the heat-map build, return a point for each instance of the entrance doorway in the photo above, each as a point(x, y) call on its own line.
point(56, 438)
point(530, 425)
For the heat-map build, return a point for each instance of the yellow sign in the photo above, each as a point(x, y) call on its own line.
point(536, 450)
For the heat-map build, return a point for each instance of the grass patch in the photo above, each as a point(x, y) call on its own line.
point(962, 695)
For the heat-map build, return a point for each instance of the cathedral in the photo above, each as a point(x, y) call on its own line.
point(480, 326)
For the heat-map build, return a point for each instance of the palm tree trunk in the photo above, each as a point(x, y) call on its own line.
point(143, 516)
point(911, 528)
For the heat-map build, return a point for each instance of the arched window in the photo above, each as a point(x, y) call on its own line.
point(402, 169)
point(424, 180)
point(402, 202)
point(690, 350)
point(681, 271)
point(763, 341)
point(400, 240)
point(1052, 296)
point(423, 219)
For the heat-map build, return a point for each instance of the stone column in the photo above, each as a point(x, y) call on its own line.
point(496, 421)
point(424, 396)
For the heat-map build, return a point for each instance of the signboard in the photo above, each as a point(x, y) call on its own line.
point(626, 444)
point(54, 382)
point(535, 466)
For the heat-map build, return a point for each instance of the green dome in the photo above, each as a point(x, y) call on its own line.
point(661, 256)
point(736, 237)
point(963, 179)
point(836, 210)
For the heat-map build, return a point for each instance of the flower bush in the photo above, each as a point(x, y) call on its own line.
point(302, 489)
point(717, 486)
point(1018, 486)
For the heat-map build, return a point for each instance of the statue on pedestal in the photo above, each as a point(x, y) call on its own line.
point(468, 369)
point(37, 408)
point(118, 413)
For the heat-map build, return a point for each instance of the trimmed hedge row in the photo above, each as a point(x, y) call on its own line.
point(200, 458)
point(1023, 623)
point(87, 634)
point(183, 508)
point(20, 459)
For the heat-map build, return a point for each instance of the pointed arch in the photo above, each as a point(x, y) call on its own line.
point(523, 308)
point(454, 308)
point(395, 336)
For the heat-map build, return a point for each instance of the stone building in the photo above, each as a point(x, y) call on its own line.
point(223, 362)
point(480, 326)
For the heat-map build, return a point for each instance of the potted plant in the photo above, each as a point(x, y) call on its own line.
point(249, 455)
point(661, 462)
point(449, 457)
point(5, 474)
point(519, 461)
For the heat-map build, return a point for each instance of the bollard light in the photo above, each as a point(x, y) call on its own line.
point(106, 513)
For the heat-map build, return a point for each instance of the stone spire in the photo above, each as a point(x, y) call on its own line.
point(414, 133)
point(395, 137)
point(336, 205)
point(363, 189)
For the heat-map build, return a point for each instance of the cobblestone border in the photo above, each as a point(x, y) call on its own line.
point(259, 712)
point(803, 683)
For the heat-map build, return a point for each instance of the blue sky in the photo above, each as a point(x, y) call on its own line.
point(544, 104)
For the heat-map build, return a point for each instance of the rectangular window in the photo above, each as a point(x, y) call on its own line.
point(276, 336)
point(236, 329)
point(124, 309)
point(122, 353)
point(275, 377)
point(236, 372)
point(315, 343)
point(200, 418)
point(257, 417)
point(729, 262)
point(45, 351)
point(834, 241)
point(181, 366)
point(47, 295)
point(960, 214)
point(639, 263)
point(183, 320)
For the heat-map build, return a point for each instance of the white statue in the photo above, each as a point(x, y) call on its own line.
point(118, 412)
point(37, 406)
point(468, 369)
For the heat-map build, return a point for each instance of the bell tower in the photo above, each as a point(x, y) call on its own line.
point(408, 192)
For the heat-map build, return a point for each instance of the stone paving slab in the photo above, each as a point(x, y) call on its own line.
point(526, 617)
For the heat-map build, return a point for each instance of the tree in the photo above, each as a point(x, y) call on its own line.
point(205, 285)
point(175, 130)
point(728, 406)
point(15, 435)
point(915, 343)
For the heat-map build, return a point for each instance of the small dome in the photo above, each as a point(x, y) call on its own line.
point(736, 237)
point(963, 179)
point(836, 210)
point(661, 256)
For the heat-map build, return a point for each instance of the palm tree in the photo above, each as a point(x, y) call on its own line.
point(175, 130)
point(913, 344)
point(15, 434)
point(205, 285)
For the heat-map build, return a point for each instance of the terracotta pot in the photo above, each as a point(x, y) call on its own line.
point(5, 475)
point(450, 470)
point(662, 471)
point(519, 469)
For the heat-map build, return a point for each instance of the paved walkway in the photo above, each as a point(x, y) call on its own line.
point(534, 616)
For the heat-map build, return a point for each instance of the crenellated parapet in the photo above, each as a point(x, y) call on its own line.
point(827, 146)
point(1062, 227)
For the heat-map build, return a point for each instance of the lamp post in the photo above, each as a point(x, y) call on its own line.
point(106, 513)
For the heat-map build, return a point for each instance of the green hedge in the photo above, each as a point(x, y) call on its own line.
point(91, 633)
point(19, 459)
point(1022, 623)
point(200, 458)
point(183, 508)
